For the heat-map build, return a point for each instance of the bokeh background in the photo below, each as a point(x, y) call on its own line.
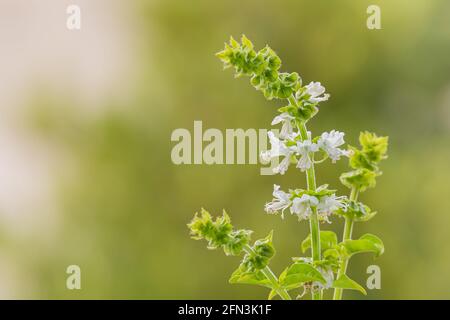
point(86, 117)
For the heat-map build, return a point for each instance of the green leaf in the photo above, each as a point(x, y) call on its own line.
point(299, 273)
point(344, 282)
point(273, 293)
point(243, 275)
point(328, 240)
point(367, 243)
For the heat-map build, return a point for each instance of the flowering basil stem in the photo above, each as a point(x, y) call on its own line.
point(326, 266)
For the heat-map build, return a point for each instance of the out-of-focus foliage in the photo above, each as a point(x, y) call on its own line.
point(123, 213)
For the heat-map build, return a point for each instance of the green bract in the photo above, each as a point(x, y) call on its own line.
point(357, 211)
point(326, 265)
point(360, 179)
point(260, 254)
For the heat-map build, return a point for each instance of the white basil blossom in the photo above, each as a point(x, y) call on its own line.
point(278, 148)
point(281, 201)
point(329, 204)
point(302, 206)
point(286, 119)
point(315, 91)
point(304, 148)
point(330, 143)
point(328, 276)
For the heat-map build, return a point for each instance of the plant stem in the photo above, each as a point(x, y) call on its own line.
point(268, 273)
point(348, 228)
point(314, 220)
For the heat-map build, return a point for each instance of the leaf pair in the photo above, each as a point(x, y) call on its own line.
point(300, 273)
point(328, 240)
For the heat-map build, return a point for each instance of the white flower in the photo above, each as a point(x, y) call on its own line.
point(330, 142)
point(304, 148)
point(329, 204)
point(278, 148)
point(316, 92)
point(281, 201)
point(328, 276)
point(287, 128)
point(302, 206)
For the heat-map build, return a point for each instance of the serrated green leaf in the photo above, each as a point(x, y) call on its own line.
point(328, 239)
point(367, 243)
point(299, 273)
point(344, 282)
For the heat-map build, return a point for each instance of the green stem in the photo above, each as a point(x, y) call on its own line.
point(348, 228)
point(314, 220)
point(268, 273)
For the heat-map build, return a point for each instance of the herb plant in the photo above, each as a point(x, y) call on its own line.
point(326, 266)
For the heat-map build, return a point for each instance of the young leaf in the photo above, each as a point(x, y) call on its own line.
point(243, 275)
point(367, 243)
point(328, 240)
point(299, 273)
point(344, 282)
point(273, 293)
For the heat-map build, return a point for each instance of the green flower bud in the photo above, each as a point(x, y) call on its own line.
point(274, 62)
point(307, 111)
point(246, 42)
point(201, 227)
point(373, 146)
point(255, 81)
point(237, 241)
point(222, 231)
point(263, 251)
point(359, 159)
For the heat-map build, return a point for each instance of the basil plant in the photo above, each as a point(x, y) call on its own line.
point(325, 266)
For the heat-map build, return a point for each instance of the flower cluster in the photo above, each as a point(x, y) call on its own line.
point(291, 146)
point(219, 233)
point(302, 202)
point(262, 66)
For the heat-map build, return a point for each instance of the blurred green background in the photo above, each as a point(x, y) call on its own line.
point(119, 206)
